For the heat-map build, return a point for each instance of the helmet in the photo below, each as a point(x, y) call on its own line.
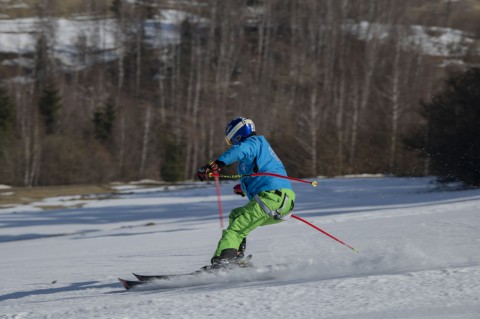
point(238, 130)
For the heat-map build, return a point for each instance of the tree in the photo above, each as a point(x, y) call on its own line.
point(172, 166)
point(7, 113)
point(103, 120)
point(49, 105)
point(453, 134)
point(7, 140)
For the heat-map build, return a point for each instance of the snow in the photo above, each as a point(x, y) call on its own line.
point(100, 36)
point(418, 254)
point(434, 41)
point(12, 4)
point(447, 42)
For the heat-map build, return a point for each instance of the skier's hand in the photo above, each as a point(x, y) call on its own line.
point(237, 190)
point(203, 172)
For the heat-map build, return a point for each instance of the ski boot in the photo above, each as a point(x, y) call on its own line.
point(241, 248)
point(241, 259)
point(229, 258)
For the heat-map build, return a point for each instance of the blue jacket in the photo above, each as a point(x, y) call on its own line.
point(255, 155)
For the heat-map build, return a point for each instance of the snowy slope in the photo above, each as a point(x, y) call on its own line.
point(419, 255)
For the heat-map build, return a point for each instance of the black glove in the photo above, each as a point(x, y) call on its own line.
point(203, 172)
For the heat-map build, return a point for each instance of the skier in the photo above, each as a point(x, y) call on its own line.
point(271, 199)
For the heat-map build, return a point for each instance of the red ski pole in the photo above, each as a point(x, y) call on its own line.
point(219, 199)
point(324, 232)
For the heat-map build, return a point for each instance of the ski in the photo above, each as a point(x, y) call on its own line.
point(163, 277)
point(145, 279)
point(128, 284)
point(242, 264)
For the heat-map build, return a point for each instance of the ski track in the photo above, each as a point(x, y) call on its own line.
point(327, 298)
point(418, 256)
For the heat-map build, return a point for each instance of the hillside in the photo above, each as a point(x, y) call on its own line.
point(97, 92)
point(451, 35)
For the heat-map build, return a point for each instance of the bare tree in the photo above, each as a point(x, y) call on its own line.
point(370, 58)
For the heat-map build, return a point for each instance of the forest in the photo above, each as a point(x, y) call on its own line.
point(144, 89)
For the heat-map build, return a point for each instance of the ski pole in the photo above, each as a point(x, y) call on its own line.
point(314, 183)
point(219, 200)
point(324, 232)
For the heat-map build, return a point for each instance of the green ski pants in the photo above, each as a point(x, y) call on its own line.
point(243, 220)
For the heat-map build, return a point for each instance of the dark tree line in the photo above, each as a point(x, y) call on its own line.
point(331, 100)
point(450, 136)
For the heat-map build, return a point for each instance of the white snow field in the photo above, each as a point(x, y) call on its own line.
point(419, 254)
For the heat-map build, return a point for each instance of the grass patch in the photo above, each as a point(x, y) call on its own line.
point(25, 195)
point(55, 207)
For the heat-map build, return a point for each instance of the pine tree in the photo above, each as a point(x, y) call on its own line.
point(116, 7)
point(49, 105)
point(452, 130)
point(185, 49)
point(7, 123)
point(43, 68)
point(172, 168)
point(7, 113)
point(103, 120)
